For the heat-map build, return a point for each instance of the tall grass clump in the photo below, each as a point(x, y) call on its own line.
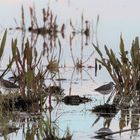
point(29, 68)
point(125, 70)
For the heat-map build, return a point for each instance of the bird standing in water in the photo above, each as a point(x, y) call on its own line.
point(7, 87)
point(105, 89)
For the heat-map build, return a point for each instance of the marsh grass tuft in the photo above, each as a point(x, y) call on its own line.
point(125, 71)
point(30, 76)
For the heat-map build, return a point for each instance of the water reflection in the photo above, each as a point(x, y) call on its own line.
point(32, 126)
point(67, 65)
point(128, 108)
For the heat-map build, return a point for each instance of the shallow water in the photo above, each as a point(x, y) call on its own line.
point(115, 18)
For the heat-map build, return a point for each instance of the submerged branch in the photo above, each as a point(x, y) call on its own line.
point(117, 132)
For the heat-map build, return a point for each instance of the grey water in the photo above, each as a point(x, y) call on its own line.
point(108, 21)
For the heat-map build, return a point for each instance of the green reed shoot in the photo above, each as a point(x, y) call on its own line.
point(3, 42)
point(30, 70)
point(124, 70)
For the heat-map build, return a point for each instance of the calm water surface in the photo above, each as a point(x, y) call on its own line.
point(115, 18)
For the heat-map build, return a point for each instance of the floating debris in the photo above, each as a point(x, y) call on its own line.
point(18, 103)
point(75, 100)
point(104, 133)
point(105, 110)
